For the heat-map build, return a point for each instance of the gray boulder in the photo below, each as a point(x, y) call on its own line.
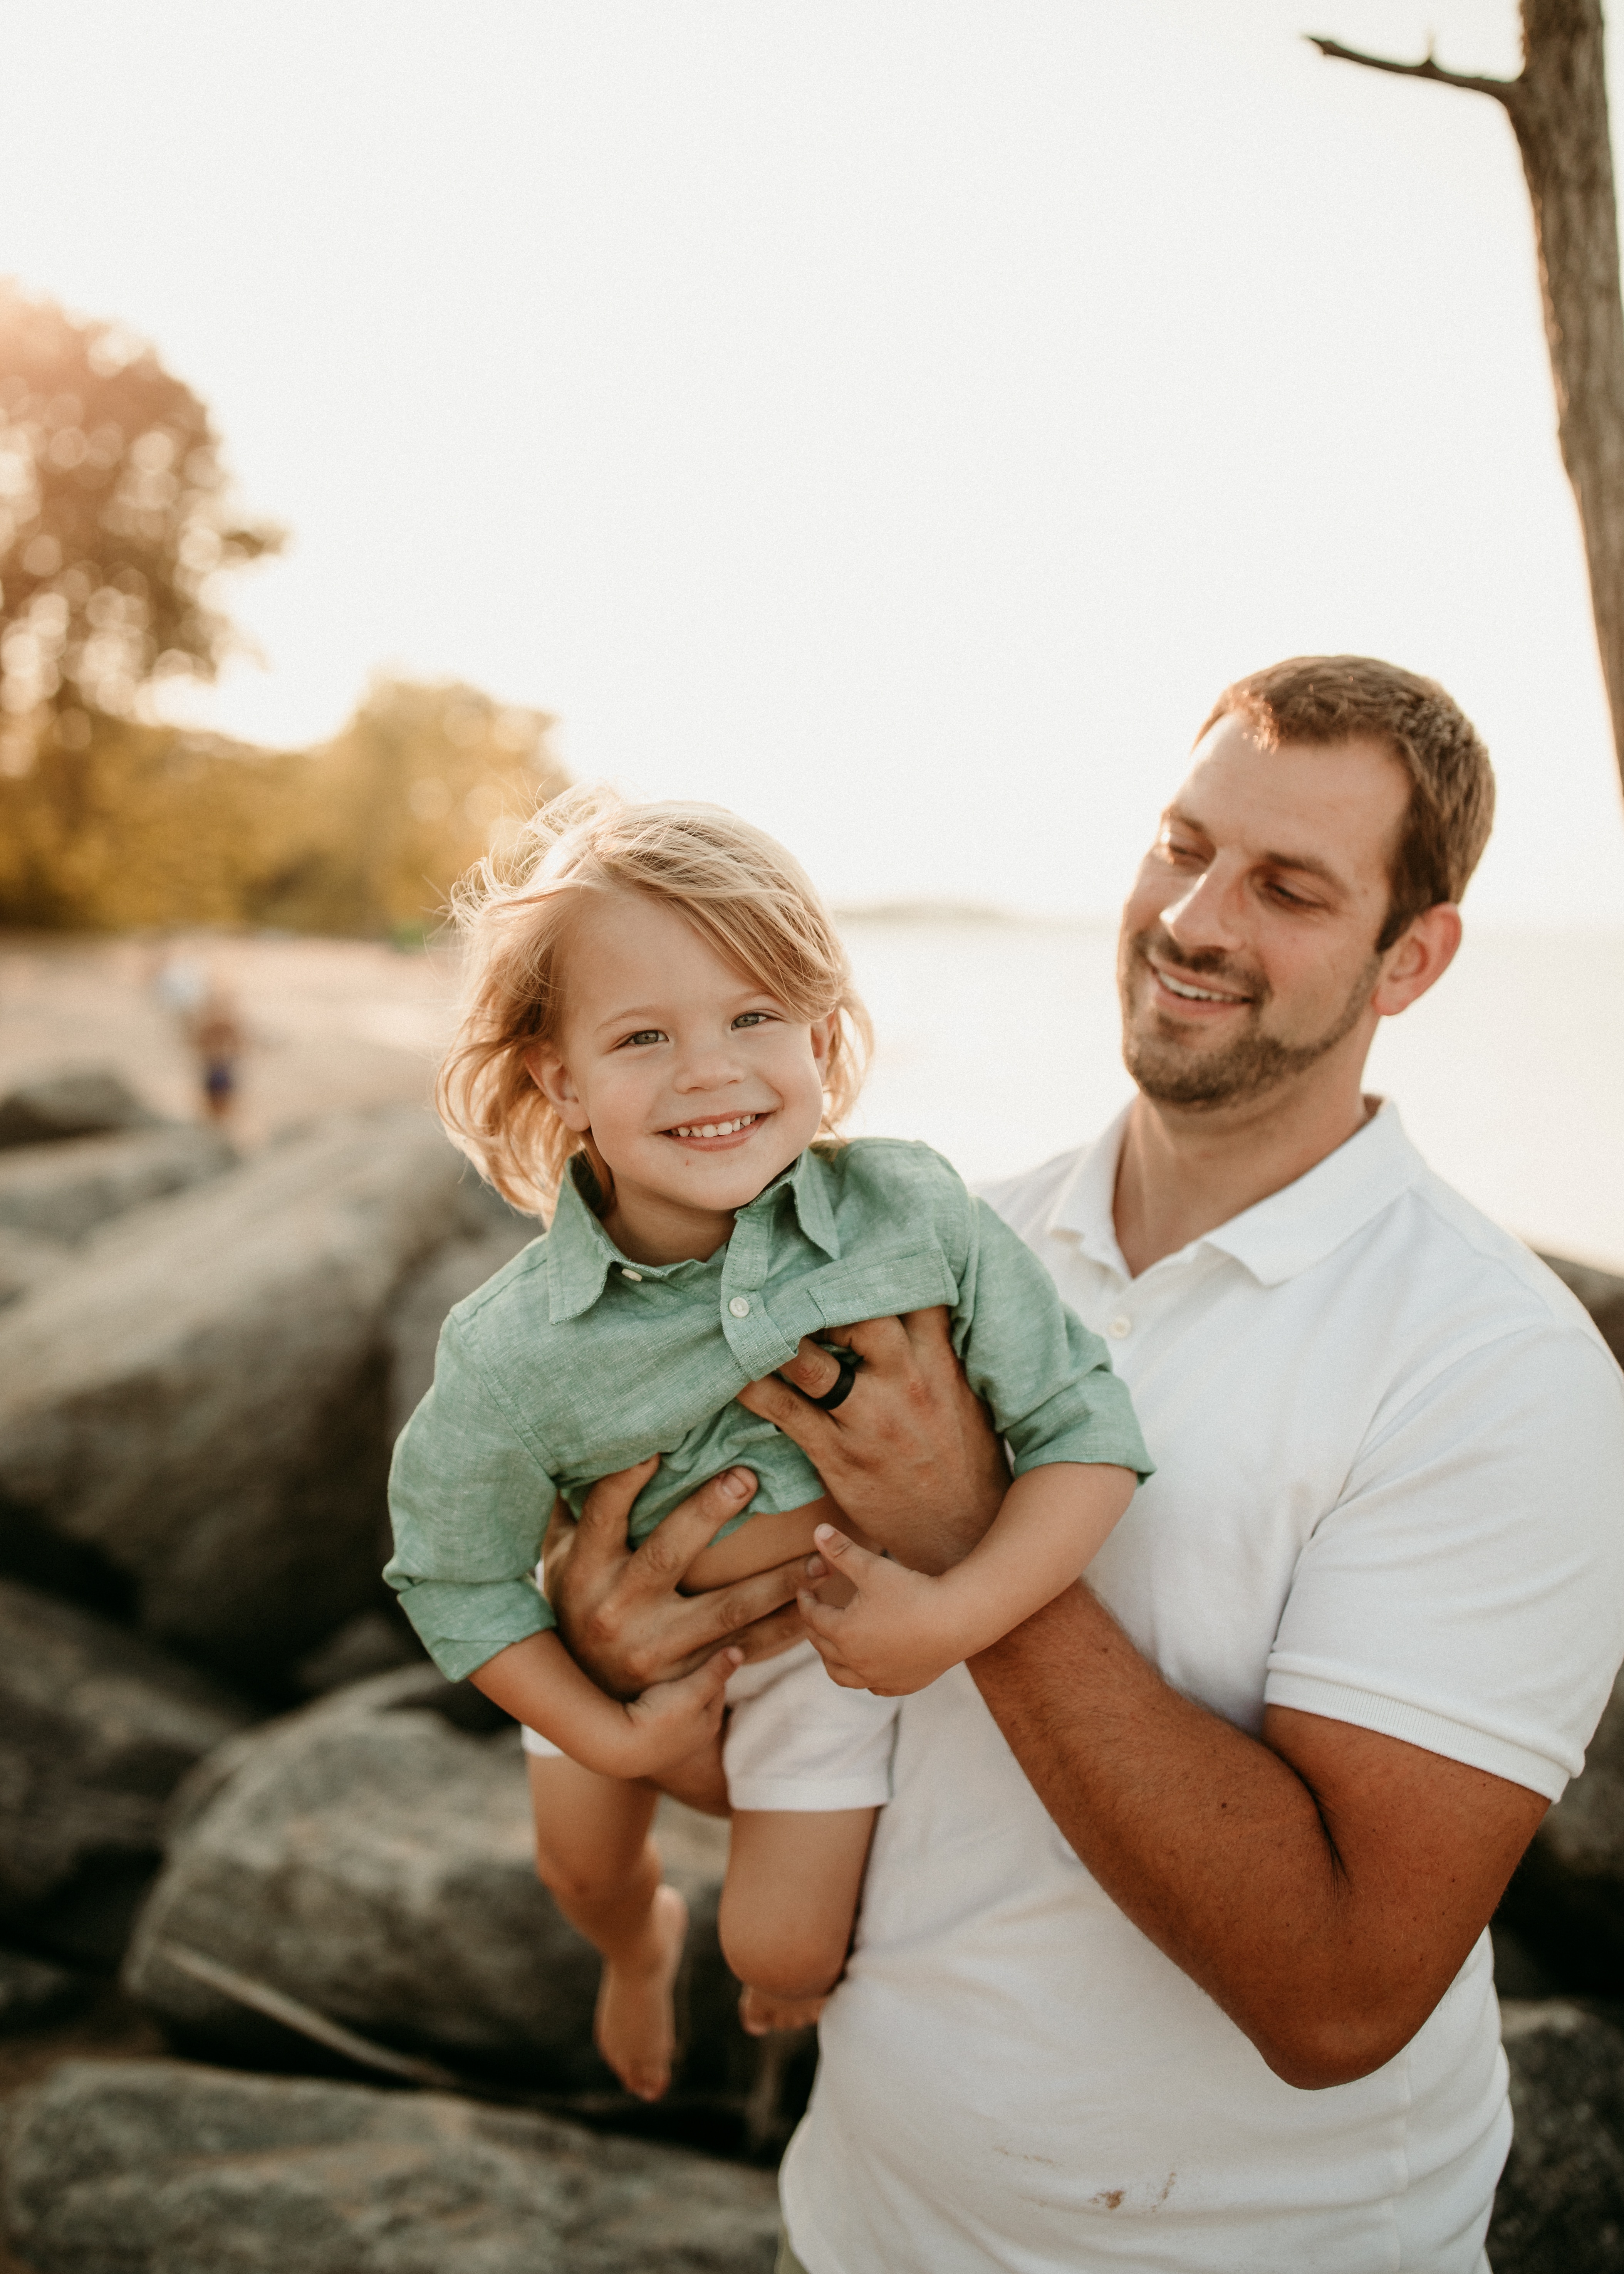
point(27, 1261)
point(1566, 1901)
point(96, 1729)
point(62, 1191)
point(1560, 2208)
point(371, 1857)
point(419, 1309)
point(155, 2167)
point(372, 1642)
point(35, 1993)
point(70, 1101)
point(193, 1415)
point(1602, 1294)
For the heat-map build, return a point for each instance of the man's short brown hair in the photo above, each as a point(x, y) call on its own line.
point(1342, 698)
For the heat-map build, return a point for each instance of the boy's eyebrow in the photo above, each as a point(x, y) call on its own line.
point(646, 1014)
point(1302, 864)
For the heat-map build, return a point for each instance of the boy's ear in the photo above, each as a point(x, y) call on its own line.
point(551, 1077)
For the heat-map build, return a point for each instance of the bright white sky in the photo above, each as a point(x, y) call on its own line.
point(895, 418)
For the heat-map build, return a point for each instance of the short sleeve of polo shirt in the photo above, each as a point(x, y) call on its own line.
point(467, 1494)
point(1466, 1592)
point(1047, 1380)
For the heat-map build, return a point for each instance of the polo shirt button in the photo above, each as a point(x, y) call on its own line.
point(627, 1273)
point(741, 1307)
point(1119, 1326)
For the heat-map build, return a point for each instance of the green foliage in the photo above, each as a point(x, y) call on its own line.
point(116, 527)
point(152, 827)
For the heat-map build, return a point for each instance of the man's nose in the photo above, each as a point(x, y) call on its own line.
point(1207, 915)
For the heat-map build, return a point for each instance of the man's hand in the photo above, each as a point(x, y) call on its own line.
point(618, 1607)
point(910, 1454)
point(891, 1637)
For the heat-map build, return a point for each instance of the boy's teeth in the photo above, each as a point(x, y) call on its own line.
point(716, 1128)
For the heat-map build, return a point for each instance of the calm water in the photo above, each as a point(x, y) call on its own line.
point(999, 1042)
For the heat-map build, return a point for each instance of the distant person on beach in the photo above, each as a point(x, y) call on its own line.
point(207, 1014)
point(659, 1042)
point(1173, 1945)
point(217, 1038)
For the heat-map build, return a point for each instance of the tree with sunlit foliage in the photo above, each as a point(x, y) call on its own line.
point(116, 529)
point(364, 835)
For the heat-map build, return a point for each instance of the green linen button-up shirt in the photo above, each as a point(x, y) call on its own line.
point(575, 1361)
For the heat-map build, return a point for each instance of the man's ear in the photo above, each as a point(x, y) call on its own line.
point(1418, 959)
point(551, 1077)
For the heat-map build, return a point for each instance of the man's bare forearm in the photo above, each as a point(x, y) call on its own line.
point(1323, 1888)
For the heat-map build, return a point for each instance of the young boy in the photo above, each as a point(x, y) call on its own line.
point(659, 1042)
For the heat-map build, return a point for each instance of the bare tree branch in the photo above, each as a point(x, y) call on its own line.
point(1558, 108)
point(1501, 89)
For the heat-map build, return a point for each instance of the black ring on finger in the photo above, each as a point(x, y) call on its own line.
point(842, 1389)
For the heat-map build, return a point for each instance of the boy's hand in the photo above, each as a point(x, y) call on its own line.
point(673, 1721)
point(893, 1635)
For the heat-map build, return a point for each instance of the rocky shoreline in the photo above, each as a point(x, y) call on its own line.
point(278, 1986)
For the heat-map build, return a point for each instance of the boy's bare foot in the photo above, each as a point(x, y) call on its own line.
point(762, 2013)
point(636, 2025)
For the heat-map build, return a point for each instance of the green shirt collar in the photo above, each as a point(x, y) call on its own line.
point(580, 1253)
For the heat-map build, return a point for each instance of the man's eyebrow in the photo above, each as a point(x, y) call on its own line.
point(1302, 864)
point(1305, 865)
point(1174, 817)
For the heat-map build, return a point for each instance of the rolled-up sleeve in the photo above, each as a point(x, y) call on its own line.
point(468, 1500)
point(1048, 1380)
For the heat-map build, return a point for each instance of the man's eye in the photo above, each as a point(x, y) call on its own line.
point(1174, 851)
point(1291, 900)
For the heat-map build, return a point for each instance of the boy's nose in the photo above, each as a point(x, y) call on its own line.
point(707, 1069)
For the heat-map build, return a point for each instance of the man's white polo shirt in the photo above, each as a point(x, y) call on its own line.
point(1389, 1490)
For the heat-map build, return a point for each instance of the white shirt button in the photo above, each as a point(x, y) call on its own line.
point(627, 1273)
point(741, 1307)
point(1119, 1326)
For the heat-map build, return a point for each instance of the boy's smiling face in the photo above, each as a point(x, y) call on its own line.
point(696, 1084)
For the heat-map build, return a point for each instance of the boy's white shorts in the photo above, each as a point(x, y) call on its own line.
point(795, 1740)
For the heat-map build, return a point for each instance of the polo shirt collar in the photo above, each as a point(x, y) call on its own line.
point(580, 1253)
point(1289, 1232)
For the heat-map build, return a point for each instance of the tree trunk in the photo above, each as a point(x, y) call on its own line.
point(1558, 108)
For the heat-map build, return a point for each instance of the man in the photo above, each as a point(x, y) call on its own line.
point(1209, 1985)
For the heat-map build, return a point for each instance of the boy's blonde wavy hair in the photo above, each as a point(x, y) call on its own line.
point(742, 893)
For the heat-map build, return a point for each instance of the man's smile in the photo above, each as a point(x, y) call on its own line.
point(1194, 991)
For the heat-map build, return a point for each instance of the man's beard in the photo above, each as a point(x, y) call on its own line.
point(1170, 1073)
